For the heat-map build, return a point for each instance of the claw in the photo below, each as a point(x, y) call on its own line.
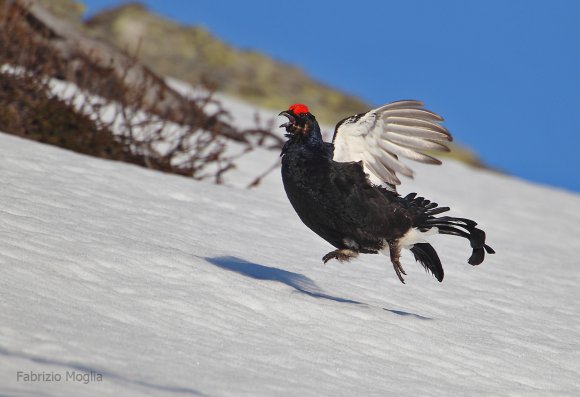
point(400, 271)
point(342, 255)
point(395, 254)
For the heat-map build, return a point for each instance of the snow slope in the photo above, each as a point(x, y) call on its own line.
point(170, 287)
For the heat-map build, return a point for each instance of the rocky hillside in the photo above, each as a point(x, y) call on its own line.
point(196, 56)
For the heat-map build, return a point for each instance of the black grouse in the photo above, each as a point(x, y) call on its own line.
point(345, 191)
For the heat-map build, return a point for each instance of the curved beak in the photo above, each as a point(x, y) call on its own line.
point(291, 119)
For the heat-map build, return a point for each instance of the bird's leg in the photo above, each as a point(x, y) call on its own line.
point(395, 253)
point(342, 255)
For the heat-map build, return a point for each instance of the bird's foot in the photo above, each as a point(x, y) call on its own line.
point(342, 255)
point(395, 252)
point(399, 270)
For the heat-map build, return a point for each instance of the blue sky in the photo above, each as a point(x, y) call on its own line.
point(504, 74)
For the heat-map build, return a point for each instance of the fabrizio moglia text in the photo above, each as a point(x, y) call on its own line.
point(68, 376)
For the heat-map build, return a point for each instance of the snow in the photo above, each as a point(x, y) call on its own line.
point(166, 286)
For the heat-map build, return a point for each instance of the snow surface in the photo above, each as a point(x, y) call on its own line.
point(171, 287)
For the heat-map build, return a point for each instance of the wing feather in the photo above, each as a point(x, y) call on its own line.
point(404, 104)
point(389, 161)
point(415, 143)
point(417, 131)
point(381, 136)
point(399, 150)
point(418, 113)
point(379, 170)
point(410, 122)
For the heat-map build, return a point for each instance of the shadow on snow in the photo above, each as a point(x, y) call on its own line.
point(297, 281)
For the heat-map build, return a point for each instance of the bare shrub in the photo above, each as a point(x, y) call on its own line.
point(121, 118)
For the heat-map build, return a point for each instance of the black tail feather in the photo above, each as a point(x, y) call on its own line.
point(436, 211)
point(476, 257)
point(475, 236)
point(488, 249)
point(425, 219)
point(426, 255)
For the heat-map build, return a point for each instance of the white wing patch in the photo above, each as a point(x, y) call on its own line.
point(381, 136)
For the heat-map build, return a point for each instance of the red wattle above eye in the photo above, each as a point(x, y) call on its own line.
point(298, 108)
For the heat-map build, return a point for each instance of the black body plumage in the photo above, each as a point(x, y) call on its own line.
point(339, 203)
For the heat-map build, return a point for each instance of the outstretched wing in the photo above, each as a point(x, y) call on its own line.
point(381, 136)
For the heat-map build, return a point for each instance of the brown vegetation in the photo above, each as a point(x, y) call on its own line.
point(35, 47)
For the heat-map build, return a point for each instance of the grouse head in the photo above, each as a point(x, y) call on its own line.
point(301, 124)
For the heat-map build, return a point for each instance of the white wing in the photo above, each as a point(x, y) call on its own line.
point(381, 136)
